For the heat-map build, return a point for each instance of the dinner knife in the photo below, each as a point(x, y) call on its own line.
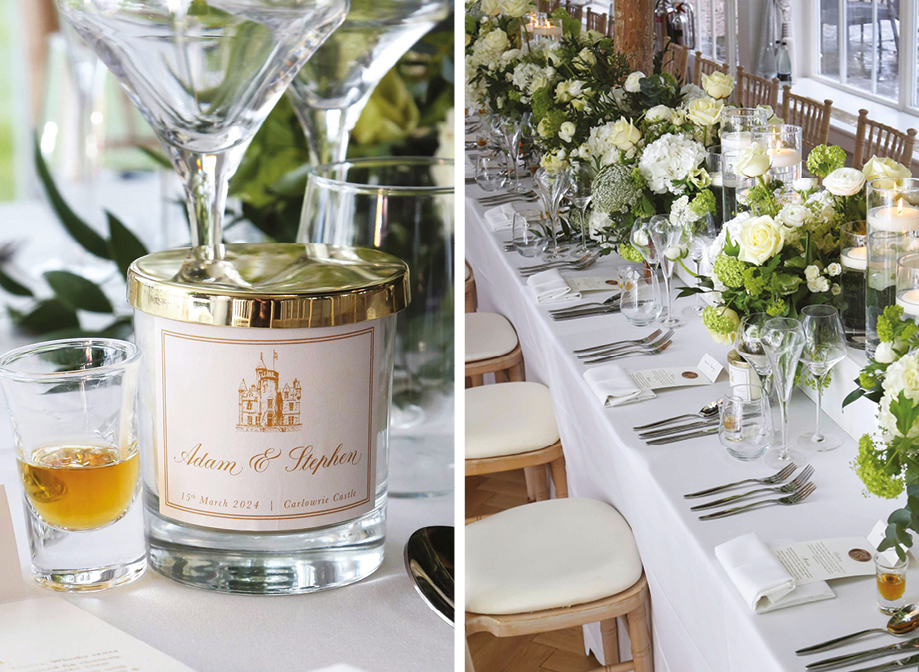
point(683, 437)
point(836, 642)
point(659, 433)
point(842, 661)
point(891, 666)
point(586, 313)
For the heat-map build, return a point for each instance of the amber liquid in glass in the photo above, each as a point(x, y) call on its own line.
point(891, 586)
point(80, 487)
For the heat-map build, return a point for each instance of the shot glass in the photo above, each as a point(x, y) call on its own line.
point(891, 580)
point(72, 407)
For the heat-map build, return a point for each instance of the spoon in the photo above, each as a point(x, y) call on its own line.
point(710, 410)
point(429, 561)
point(903, 622)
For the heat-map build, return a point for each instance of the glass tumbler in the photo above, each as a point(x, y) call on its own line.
point(640, 301)
point(403, 206)
point(745, 429)
point(891, 582)
point(73, 410)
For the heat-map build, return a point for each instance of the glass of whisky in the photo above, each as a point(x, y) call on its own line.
point(891, 580)
point(72, 406)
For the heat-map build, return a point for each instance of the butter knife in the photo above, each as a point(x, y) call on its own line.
point(842, 661)
point(659, 433)
point(683, 437)
point(891, 666)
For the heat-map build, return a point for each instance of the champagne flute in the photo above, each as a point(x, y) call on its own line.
point(580, 195)
point(783, 340)
point(824, 347)
point(699, 236)
point(551, 187)
point(666, 236)
point(510, 131)
point(749, 345)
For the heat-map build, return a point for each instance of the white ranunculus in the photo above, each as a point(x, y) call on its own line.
point(836, 289)
point(633, 82)
point(658, 113)
point(833, 270)
point(844, 182)
point(515, 8)
point(884, 167)
point(705, 111)
point(793, 215)
point(675, 252)
point(804, 184)
point(753, 161)
point(640, 239)
point(491, 7)
point(718, 85)
point(812, 272)
point(760, 239)
point(566, 131)
point(669, 161)
point(884, 353)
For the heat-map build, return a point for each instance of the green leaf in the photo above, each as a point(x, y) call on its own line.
point(124, 246)
point(854, 395)
point(900, 517)
point(47, 316)
point(78, 292)
point(82, 232)
point(12, 286)
point(906, 412)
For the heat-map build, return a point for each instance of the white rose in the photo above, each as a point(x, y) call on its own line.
point(491, 7)
point(884, 167)
point(844, 181)
point(515, 8)
point(658, 113)
point(718, 85)
point(495, 42)
point(760, 239)
point(833, 270)
point(811, 272)
point(675, 252)
point(804, 184)
point(884, 353)
point(640, 239)
point(566, 131)
point(753, 161)
point(793, 215)
point(835, 290)
point(587, 56)
point(632, 82)
point(624, 135)
point(705, 111)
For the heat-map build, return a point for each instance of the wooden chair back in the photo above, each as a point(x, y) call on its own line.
point(596, 21)
point(675, 61)
point(812, 116)
point(575, 11)
point(876, 139)
point(706, 66)
point(752, 90)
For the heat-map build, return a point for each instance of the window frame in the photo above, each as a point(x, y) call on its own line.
point(730, 29)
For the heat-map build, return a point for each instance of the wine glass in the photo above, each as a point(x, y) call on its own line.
point(204, 75)
point(749, 345)
point(666, 235)
point(824, 347)
point(783, 340)
point(579, 195)
point(510, 131)
point(331, 90)
point(641, 239)
point(699, 236)
point(551, 188)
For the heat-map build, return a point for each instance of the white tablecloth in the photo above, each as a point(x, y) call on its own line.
point(700, 622)
point(378, 625)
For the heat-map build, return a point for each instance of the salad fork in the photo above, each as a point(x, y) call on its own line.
point(612, 349)
point(777, 477)
point(647, 339)
point(654, 349)
point(800, 481)
point(789, 500)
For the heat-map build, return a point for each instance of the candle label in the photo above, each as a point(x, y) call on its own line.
point(265, 429)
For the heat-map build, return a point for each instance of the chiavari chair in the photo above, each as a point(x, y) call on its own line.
point(706, 66)
point(812, 116)
point(873, 138)
point(753, 90)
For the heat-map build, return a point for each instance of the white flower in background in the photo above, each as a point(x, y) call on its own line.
point(822, 204)
point(833, 270)
point(753, 161)
point(771, 117)
point(565, 91)
point(624, 135)
point(587, 56)
point(844, 181)
point(510, 55)
point(760, 239)
point(718, 85)
point(812, 272)
point(541, 79)
point(675, 252)
point(700, 178)
point(640, 238)
point(489, 49)
point(669, 159)
point(598, 220)
point(658, 113)
point(793, 215)
point(884, 167)
point(818, 285)
point(691, 91)
point(515, 8)
point(836, 290)
point(633, 82)
point(804, 184)
point(523, 76)
point(705, 111)
point(491, 7)
point(901, 376)
point(680, 212)
point(566, 131)
point(885, 353)
point(554, 163)
point(678, 117)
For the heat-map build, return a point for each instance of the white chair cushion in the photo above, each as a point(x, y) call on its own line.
point(508, 418)
point(554, 553)
point(488, 335)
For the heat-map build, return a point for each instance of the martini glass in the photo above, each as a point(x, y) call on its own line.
point(204, 74)
point(332, 88)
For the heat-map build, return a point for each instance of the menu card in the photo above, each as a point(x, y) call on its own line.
point(826, 559)
point(592, 284)
point(705, 373)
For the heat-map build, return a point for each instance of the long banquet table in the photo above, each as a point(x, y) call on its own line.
point(700, 623)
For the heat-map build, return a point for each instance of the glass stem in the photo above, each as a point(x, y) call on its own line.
point(818, 435)
point(783, 412)
point(667, 290)
point(584, 226)
point(327, 130)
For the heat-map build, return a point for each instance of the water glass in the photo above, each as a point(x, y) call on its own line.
point(891, 582)
point(528, 233)
point(745, 428)
point(640, 301)
point(490, 172)
point(73, 409)
point(699, 237)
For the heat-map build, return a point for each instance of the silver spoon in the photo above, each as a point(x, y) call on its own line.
point(710, 410)
point(429, 561)
point(904, 621)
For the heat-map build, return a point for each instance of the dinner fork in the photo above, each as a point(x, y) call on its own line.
point(612, 349)
point(769, 480)
point(800, 481)
point(789, 500)
point(589, 312)
point(647, 339)
point(598, 304)
point(578, 265)
point(654, 349)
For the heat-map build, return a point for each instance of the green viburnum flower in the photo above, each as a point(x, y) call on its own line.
point(880, 476)
point(540, 102)
point(638, 179)
point(866, 380)
point(753, 281)
point(629, 253)
point(888, 322)
point(613, 189)
point(824, 159)
point(721, 323)
point(703, 203)
point(729, 270)
point(776, 306)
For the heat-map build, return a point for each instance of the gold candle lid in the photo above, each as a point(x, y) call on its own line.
point(277, 286)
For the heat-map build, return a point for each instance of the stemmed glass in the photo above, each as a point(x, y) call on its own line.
point(783, 340)
point(579, 195)
point(749, 345)
point(824, 347)
point(551, 188)
point(699, 236)
point(332, 89)
point(666, 235)
point(204, 75)
point(510, 130)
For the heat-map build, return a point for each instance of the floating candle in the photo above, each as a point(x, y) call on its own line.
point(898, 218)
point(855, 258)
point(717, 179)
point(735, 141)
point(909, 300)
point(784, 157)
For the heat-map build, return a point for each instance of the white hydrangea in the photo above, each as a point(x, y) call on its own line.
point(523, 77)
point(902, 376)
point(670, 159)
point(489, 48)
point(690, 92)
point(680, 212)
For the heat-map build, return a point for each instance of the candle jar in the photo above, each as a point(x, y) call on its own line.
point(908, 285)
point(893, 230)
point(713, 166)
point(264, 414)
point(542, 28)
point(784, 145)
point(854, 262)
point(737, 126)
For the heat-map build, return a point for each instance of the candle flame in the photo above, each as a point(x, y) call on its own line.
point(900, 207)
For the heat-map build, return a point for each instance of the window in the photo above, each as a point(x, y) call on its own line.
point(714, 30)
point(868, 47)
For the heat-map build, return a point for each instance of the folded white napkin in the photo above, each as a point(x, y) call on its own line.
point(550, 287)
point(501, 217)
point(614, 387)
point(760, 578)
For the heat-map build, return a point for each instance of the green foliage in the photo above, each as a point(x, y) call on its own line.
point(824, 159)
point(570, 26)
point(729, 270)
point(78, 293)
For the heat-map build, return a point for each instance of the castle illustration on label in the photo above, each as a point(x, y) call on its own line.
point(264, 406)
